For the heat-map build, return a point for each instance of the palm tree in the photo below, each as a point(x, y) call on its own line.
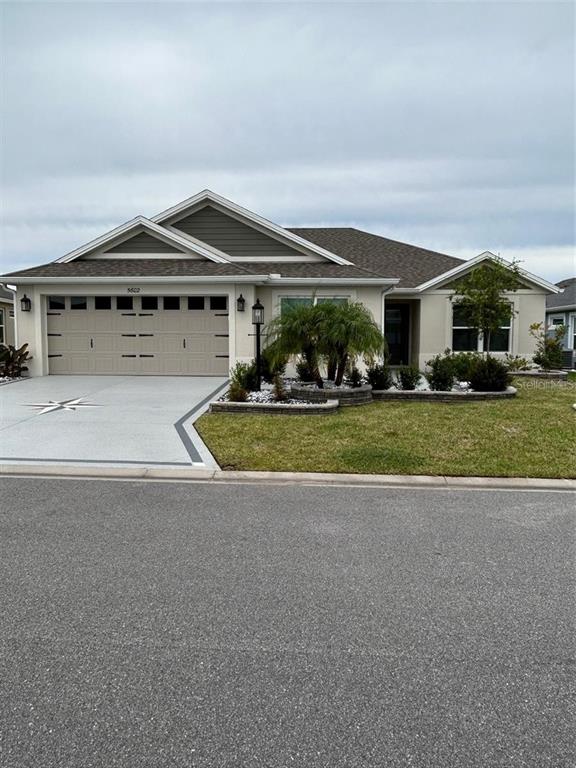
point(337, 333)
point(348, 330)
point(298, 331)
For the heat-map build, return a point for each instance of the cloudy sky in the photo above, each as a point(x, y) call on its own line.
point(449, 125)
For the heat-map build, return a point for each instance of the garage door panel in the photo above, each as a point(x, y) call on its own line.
point(162, 342)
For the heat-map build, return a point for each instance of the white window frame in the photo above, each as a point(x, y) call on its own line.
point(2, 325)
point(552, 321)
point(480, 343)
point(311, 297)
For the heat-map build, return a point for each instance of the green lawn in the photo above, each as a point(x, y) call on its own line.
point(533, 435)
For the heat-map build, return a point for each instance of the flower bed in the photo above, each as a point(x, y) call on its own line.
point(454, 396)
point(346, 396)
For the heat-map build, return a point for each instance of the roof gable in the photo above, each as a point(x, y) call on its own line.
point(208, 198)
point(446, 279)
point(187, 246)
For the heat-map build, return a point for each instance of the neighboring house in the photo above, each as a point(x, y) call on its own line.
point(561, 310)
point(6, 316)
point(161, 295)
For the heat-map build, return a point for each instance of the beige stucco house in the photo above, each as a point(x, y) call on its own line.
point(6, 317)
point(161, 295)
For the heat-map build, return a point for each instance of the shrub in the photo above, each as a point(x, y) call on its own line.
point(244, 375)
point(379, 376)
point(548, 353)
point(353, 378)
point(516, 363)
point(279, 390)
point(237, 393)
point(441, 374)
point(408, 377)
point(273, 364)
point(489, 375)
point(12, 360)
point(462, 364)
point(303, 371)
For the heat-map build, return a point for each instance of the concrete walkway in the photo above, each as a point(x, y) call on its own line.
point(105, 421)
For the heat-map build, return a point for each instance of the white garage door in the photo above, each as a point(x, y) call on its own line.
point(159, 335)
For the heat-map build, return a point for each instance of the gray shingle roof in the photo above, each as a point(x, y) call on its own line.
point(565, 299)
point(380, 255)
point(6, 295)
point(372, 257)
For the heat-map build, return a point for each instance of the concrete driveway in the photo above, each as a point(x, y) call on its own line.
point(107, 420)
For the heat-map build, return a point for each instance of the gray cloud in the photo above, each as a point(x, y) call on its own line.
point(450, 125)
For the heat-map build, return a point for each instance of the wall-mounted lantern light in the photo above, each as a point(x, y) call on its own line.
point(240, 303)
point(25, 304)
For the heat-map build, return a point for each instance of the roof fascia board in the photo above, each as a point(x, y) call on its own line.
point(150, 226)
point(485, 256)
point(320, 281)
point(28, 280)
point(243, 214)
point(564, 308)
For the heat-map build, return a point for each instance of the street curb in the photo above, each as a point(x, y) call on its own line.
point(285, 478)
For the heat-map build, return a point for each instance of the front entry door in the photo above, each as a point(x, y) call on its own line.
point(397, 332)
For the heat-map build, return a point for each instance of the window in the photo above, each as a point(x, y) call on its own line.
point(219, 303)
point(171, 302)
point(555, 321)
point(331, 300)
point(78, 302)
point(102, 302)
point(466, 339)
point(1, 326)
point(195, 302)
point(124, 302)
point(56, 302)
point(149, 302)
point(289, 302)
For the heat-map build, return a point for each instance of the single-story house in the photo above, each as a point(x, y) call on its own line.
point(6, 316)
point(561, 310)
point(172, 294)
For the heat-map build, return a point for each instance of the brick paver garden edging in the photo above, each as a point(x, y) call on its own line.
point(276, 409)
point(423, 395)
point(555, 375)
point(346, 397)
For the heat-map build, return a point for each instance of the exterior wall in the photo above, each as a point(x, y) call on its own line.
point(236, 239)
point(9, 335)
point(436, 323)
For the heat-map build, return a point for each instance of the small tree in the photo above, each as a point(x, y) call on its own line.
point(479, 296)
point(548, 353)
point(299, 331)
point(349, 330)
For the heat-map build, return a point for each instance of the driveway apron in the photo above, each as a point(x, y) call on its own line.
point(108, 420)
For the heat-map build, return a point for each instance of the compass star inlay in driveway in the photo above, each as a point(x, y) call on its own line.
point(61, 405)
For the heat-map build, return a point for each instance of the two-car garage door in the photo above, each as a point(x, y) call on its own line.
point(155, 335)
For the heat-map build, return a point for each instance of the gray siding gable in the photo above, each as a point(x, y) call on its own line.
point(143, 243)
point(233, 237)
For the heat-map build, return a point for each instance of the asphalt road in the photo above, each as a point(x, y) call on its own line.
point(152, 625)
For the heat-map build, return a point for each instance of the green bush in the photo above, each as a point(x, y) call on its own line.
point(489, 375)
point(237, 393)
point(408, 377)
point(548, 353)
point(462, 364)
point(441, 374)
point(516, 363)
point(303, 371)
point(273, 364)
point(244, 375)
point(13, 360)
point(379, 376)
point(353, 378)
